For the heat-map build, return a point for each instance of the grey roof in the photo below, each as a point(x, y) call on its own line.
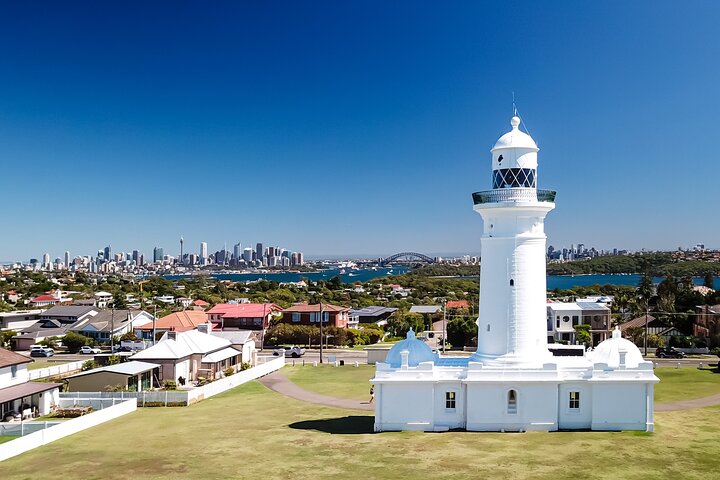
point(593, 306)
point(106, 320)
point(236, 337)
point(43, 325)
point(43, 333)
point(133, 367)
point(372, 311)
point(425, 309)
point(67, 311)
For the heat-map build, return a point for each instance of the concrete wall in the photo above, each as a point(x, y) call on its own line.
point(622, 406)
point(6, 378)
point(404, 406)
point(55, 370)
point(536, 406)
point(94, 382)
point(377, 355)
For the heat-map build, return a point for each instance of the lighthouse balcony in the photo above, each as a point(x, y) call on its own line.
point(513, 195)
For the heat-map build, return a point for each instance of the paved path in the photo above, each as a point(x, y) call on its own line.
point(710, 401)
point(280, 383)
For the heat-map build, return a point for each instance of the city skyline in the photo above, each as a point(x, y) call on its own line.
point(351, 129)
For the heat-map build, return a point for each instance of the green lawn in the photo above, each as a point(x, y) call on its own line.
point(252, 431)
point(6, 438)
point(685, 383)
point(347, 381)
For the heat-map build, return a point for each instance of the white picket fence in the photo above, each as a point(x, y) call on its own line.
point(182, 398)
point(55, 370)
point(62, 429)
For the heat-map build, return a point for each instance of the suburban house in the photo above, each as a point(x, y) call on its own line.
point(18, 319)
point(373, 314)
point(244, 316)
point(69, 314)
point(175, 322)
point(107, 323)
point(200, 304)
point(654, 326)
point(43, 301)
point(187, 356)
point(20, 398)
point(563, 317)
point(707, 321)
point(38, 332)
point(244, 341)
point(332, 315)
point(134, 376)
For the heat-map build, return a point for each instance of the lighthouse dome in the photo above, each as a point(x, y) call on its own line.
point(608, 352)
point(515, 138)
point(418, 352)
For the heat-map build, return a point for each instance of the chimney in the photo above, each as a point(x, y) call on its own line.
point(404, 355)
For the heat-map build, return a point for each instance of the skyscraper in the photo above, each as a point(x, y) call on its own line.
point(237, 251)
point(106, 253)
point(259, 252)
point(157, 254)
point(67, 260)
point(203, 253)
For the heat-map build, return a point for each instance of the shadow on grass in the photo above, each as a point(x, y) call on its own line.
point(351, 425)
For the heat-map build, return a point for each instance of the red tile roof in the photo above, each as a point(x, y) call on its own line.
point(458, 304)
point(44, 298)
point(316, 308)
point(200, 303)
point(179, 321)
point(243, 310)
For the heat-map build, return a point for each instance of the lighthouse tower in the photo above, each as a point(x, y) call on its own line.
point(512, 328)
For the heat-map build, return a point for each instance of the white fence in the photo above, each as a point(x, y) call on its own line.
point(182, 398)
point(64, 428)
point(55, 370)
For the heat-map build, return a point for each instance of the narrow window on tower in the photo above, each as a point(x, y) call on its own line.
point(512, 282)
point(512, 402)
point(450, 400)
point(574, 400)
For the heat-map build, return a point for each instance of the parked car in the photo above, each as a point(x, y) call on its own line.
point(293, 351)
point(86, 350)
point(669, 352)
point(42, 352)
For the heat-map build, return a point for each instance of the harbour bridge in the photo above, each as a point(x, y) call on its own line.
point(406, 258)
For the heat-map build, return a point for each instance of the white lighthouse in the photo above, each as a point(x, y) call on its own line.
point(512, 315)
point(513, 382)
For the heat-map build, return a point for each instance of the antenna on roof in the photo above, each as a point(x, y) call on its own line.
point(514, 107)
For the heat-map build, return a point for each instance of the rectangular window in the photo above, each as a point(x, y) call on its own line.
point(296, 316)
point(575, 320)
point(450, 400)
point(13, 371)
point(574, 400)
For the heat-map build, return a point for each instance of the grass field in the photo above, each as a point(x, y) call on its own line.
point(253, 432)
point(686, 383)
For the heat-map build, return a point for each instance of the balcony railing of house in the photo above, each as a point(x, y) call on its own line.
point(513, 195)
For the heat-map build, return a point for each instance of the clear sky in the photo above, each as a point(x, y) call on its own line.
point(347, 128)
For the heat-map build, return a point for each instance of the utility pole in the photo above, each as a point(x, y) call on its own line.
point(321, 332)
point(647, 313)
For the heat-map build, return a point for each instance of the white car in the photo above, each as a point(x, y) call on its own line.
point(85, 350)
point(293, 351)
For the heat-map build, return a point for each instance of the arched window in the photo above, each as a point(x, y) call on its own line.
point(512, 282)
point(512, 402)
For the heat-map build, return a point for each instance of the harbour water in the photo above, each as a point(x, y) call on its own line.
point(562, 282)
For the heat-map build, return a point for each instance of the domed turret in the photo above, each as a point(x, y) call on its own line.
point(515, 159)
point(418, 352)
point(613, 349)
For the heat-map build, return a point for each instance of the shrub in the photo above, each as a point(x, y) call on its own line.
point(715, 351)
point(73, 341)
point(89, 365)
point(244, 366)
point(229, 371)
point(113, 360)
point(169, 385)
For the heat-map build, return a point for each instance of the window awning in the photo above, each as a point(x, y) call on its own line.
point(220, 355)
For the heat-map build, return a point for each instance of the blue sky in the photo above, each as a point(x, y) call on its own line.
point(333, 127)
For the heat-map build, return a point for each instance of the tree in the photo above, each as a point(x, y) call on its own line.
point(129, 336)
point(5, 336)
point(50, 342)
point(73, 341)
point(582, 334)
point(113, 360)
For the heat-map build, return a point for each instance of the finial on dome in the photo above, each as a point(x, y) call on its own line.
point(515, 122)
point(410, 334)
point(616, 332)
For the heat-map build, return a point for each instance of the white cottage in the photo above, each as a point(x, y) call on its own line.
point(513, 382)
